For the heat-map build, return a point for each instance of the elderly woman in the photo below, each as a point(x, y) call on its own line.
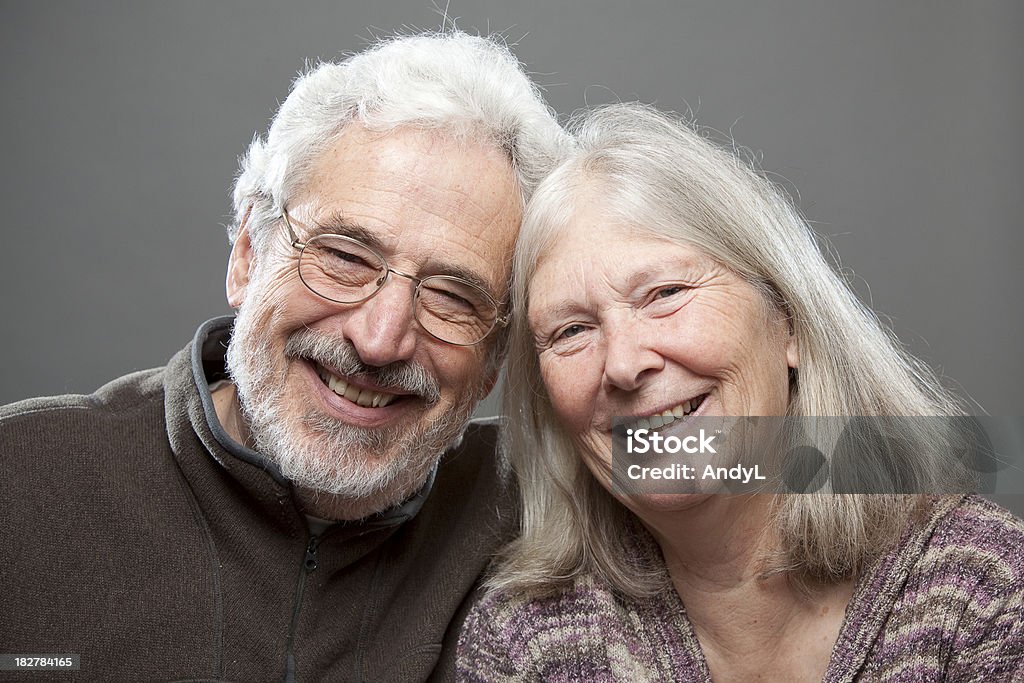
point(660, 280)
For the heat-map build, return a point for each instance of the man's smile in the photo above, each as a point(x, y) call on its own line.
point(347, 388)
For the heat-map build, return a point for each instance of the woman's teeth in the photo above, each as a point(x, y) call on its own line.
point(363, 397)
point(670, 415)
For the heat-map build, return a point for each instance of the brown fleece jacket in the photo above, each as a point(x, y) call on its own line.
point(135, 533)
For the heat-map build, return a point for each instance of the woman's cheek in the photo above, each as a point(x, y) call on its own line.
point(571, 389)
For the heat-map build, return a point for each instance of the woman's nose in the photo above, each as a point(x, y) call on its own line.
point(631, 358)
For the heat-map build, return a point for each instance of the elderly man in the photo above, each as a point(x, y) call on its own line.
point(296, 495)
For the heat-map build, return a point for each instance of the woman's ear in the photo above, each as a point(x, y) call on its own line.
point(792, 348)
point(240, 264)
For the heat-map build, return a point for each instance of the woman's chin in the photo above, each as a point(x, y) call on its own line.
point(643, 504)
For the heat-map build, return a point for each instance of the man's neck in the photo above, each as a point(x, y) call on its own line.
point(229, 413)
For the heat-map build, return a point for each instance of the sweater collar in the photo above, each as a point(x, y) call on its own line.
point(208, 350)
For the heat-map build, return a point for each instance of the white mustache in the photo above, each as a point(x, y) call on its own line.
point(341, 355)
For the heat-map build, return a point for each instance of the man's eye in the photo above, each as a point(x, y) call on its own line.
point(348, 257)
point(447, 303)
point(456, 299)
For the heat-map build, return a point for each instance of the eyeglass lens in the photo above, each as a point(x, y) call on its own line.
point(344, 270)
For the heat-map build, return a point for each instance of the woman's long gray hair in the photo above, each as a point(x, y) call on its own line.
point(658, 174)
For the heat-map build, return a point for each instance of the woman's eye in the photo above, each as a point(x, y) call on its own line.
point(666, 292)
point(568, 339)
point(665, 299)
point(569, 332)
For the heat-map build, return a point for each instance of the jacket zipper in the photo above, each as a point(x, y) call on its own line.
point(309, 565)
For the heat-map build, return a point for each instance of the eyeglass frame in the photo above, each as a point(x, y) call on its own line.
point(499, 320)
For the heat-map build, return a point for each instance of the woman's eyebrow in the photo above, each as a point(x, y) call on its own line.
point(682, 270)
point(564, 308)
point(641, 277)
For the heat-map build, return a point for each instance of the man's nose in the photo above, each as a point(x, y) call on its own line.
point(630, 358)
point(383, 328)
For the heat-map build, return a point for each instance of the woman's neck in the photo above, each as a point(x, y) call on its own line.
point(750, 626)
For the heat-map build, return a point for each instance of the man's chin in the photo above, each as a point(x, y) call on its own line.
point(369, 484)
point(354, 469)
point(340, 437)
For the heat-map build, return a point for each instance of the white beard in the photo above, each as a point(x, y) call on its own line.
point(375, 467)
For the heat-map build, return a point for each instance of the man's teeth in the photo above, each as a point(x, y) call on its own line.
point(363, 397)
point(670, 415)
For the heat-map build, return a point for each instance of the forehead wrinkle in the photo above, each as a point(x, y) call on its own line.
point(442, 210)
point(496, 204)
point(542, 309)
point(440, 199)
point(495, 236)
point(485, 159)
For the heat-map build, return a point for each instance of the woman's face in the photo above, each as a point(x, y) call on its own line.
point(629, 325)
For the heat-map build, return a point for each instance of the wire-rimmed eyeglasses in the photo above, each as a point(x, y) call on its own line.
point(344, 270)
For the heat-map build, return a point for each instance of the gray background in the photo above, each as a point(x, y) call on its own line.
point(897, 123)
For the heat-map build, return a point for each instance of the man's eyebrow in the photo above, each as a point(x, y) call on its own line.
point(339, 224)
point(463, 273)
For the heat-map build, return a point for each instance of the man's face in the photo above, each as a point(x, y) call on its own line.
point(306, 368)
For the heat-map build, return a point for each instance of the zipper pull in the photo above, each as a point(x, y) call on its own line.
point(310, 562)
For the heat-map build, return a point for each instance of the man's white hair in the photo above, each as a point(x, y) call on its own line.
point(471, 88)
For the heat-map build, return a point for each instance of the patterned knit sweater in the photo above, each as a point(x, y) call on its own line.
point(946, 604)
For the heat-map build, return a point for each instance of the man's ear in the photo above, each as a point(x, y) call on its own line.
point(240, 264)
